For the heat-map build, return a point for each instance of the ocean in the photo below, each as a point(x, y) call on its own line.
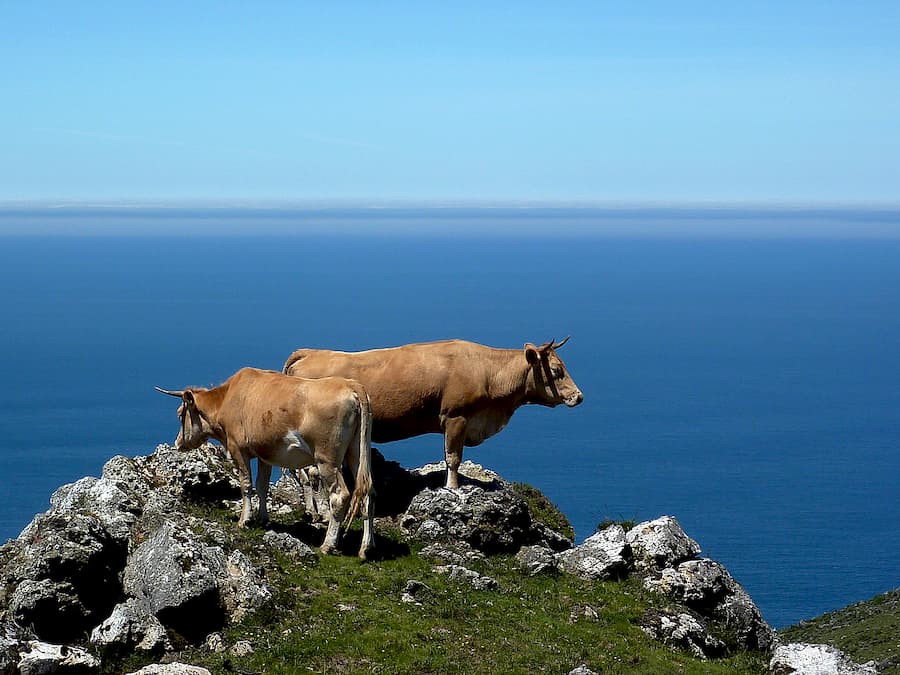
point(741, 368)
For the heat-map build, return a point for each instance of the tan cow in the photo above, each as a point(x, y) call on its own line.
point(288, 422)
point(466, 391)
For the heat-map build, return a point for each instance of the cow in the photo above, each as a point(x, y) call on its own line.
point(466, 391)
point(292, 423)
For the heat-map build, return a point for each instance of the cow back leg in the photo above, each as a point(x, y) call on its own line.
point(454, 439)
point(263, 476)
point(338, 501)
point(366, 509)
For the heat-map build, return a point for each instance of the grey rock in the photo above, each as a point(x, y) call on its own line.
point(243, 588)
point(12, 641)
point(706, 587)
point(582, 670)
point(42, 658)
point(462, 574)
point(171, 669)
point(682, 630)
point(811, 659)
point(584, 613)
point(204, 475)
point(457, 552)
point(131, 626)
point(215, 642)
point(177, 578)
point(114, 508)
point(289, 546)
point(241, 648)
point(61, 576)
point(660, 543)
point(491, 521)
point(603, 555)
point(536, 559)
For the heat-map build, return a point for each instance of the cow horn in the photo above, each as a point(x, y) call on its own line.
point(560, 344)
point(176, 394)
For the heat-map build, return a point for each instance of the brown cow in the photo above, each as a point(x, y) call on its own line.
point(288, 422)
point(464, 390)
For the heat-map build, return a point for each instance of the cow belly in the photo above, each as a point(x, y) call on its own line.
point(293, 453)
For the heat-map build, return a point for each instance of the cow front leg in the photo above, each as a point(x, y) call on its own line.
point(242, 462)
point(263, 476)
point(338, 501)
point(454, 439)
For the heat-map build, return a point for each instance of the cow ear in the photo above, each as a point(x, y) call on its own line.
point(188, 397)
point(531, 354)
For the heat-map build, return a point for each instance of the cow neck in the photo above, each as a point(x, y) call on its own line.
point(209, 403)
point(510, 381)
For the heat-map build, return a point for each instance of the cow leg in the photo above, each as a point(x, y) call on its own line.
point(338, 501)
point(263, 476)
point(454, 439)
point(242, 462)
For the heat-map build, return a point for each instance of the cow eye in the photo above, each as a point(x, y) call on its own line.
point(557, 372)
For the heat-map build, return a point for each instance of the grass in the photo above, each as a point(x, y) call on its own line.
point(337, 615)
point(865, 631)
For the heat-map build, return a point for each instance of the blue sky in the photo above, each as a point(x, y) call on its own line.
point(595, 101)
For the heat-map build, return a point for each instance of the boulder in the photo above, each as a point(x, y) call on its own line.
point(176, 577)
point(798, 658)
point(204, 475)
point(536, 560)
point(682, 630)
point(61, 575)
point(42, 658)
point(603, 555)
point(289, 546)
point(490, 520)
point(131, 626)
point(660, 543)
point(464, 575)
point(706, 587)
point(171, 669)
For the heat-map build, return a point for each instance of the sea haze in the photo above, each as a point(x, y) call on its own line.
point(748, 385)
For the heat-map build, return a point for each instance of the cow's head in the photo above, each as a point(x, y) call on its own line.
point(549, 383)
point(195, 429)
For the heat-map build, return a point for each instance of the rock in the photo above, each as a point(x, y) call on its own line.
point(660, 543)
point(215, 643)
point(41, 658)
point(204, 475)
point(682, 630)
point(491, 521)
point(463, 574)
point(12, 641)
point(289, 546)
point(131, 626)
point(582, 670)
point(171, 669)
point(292, 493)
point(603, 555)
point(61, 576)
point(116, 509)
point(456, 553)
point(242, 648)
point(412, 587)
point(242, 588)
point(177, 578)
point(706, 587)
point(583, 613)
point(536, 560)
point(810, 659)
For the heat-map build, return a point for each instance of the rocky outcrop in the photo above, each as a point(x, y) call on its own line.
point(131, 562)
point(806, 659)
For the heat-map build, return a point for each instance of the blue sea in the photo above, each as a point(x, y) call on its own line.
point(741, 368)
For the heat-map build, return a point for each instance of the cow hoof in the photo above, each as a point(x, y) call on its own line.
point(328, 550)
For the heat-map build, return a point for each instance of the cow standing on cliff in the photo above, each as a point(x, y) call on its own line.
point(466, 391)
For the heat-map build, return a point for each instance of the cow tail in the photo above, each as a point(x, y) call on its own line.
point(292, 359)
point(364, 486)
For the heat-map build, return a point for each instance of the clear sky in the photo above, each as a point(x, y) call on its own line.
point(636, 101)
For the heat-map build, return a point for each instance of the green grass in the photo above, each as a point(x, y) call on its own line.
point(524, 627)
point(865, 631)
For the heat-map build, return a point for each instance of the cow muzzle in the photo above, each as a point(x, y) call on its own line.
point(574, 399)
